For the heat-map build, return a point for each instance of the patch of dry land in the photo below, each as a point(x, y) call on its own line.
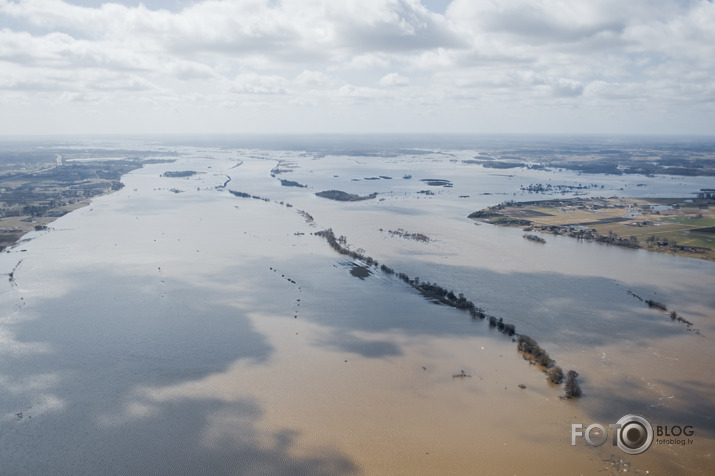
point(668, 225)
point(33, 195)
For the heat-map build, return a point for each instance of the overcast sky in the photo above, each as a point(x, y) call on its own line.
point(295, 66)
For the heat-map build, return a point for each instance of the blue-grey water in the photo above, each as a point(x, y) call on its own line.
point(175, 328)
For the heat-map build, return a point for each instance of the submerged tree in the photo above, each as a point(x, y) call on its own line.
point(528, 346)
point(555, 374)
point(572, 388)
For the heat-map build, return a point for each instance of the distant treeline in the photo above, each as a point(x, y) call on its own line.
point(528, 346)
point(497, 164)
point(341, 196)
point(307, 216)
point(257, 197)
point(248, 195)
point(591, 235)
point(410, 236)
point(665, 166)
point(437, 182)
point(671, 244)
point(291, 183)
point(545, 188)
point(179, 173)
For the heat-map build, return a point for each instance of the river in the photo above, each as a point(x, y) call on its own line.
point(175, 328)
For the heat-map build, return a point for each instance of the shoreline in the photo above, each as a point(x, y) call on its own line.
point(31, 200)
point(675, 226)
point(40, 223)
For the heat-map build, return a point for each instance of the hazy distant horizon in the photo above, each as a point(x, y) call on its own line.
point(531, 146)
point(179, 137)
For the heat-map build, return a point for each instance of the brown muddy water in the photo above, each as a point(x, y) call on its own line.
point(157, 332)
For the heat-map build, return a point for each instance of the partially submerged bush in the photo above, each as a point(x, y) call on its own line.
point(572, 388)
point(528, 346)
point(555, 374)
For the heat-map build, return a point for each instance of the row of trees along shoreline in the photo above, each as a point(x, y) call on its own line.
point(526, 345)
point(530, 350)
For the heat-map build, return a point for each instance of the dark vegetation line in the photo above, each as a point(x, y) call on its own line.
point(341, 196)
point(278, 170)
point(11, 274)
point(256, 197)
point(535, 238)
point(306, 216)
point(531, 351)
point(248, 195)
point(409, 236)
point(610, 161)
point(179, 173)
point(437, 182)
point(563, 189)
point(292, 183)
point(659, 306)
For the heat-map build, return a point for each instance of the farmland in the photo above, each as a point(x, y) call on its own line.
point(671, 225)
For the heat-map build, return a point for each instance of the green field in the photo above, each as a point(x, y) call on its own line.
point(661, 224)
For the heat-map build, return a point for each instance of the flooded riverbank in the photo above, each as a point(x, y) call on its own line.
point(174, 327)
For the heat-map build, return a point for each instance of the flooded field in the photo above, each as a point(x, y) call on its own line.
point(193, 322)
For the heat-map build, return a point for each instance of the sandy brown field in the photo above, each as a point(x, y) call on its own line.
point(670, 225)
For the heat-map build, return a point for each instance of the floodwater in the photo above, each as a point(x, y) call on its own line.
point(174, 328)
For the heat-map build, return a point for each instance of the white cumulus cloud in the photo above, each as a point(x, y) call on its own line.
point(394, 79)
point(508, 58)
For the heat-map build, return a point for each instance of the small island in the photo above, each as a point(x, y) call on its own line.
point(437, 182)
point(683, 226)
point(179, 173)
point(292, 183)
point(341, 196)
point(534, 238)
